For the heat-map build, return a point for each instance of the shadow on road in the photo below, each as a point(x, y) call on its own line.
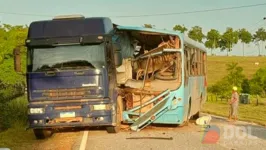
point(65, 130)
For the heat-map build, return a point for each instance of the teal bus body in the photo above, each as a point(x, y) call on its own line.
point(184, 102)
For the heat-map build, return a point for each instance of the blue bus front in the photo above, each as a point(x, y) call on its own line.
point(71, 74)
point(68, 91)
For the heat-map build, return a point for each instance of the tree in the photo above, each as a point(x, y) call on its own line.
point(259, 37)
point(11, 82)
point(258, 82)
point(180, 28)
point(245, 86)
point(148, 26)
point(228, 40)
point(10, 37)
point(234, 77)
point(245, 37)
point(213, 36)
point(235, 74)
point(196, 34)
point(221, 88)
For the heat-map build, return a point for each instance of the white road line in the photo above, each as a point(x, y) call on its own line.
point(84, 141)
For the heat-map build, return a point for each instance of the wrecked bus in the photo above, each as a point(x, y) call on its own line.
point(164, 80)
point(84, 72)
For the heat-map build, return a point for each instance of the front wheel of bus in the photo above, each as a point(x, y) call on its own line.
point(116, 129)
point(42, 133)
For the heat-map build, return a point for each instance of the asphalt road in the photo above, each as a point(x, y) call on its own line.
point(233, 136)
point(238, 135)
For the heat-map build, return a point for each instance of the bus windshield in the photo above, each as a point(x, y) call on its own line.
point(67, 58)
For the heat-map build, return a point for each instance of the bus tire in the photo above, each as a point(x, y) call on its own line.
point(197, 115)
point(116, 129)
point(185, 123)
point(42, 133)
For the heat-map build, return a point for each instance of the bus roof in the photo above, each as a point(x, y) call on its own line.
point(70, 27)
point(187, 40)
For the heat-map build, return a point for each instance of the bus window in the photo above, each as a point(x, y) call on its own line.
point(204, 63)
point(186, 65)
point(200, 63)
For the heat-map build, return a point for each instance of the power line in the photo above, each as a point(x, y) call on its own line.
point(192, 12)
point(257, 27)
point(149, 15)
point(252, 25)
point(25, 14)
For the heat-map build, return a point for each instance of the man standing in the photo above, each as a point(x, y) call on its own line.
point(234, 104)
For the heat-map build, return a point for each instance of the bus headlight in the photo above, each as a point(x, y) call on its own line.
point(102, 107)
point(36, 110)
point(97, 71)
point(174, 102)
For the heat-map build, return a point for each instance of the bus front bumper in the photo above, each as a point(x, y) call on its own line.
point(71, 115)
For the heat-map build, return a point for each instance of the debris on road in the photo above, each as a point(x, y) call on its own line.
point(156, 138)
point(204, 121)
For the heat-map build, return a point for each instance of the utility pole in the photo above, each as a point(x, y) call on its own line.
point(264, 19)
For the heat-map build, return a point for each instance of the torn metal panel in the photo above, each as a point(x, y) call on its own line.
point(157, 63)
point(145, 118)
point(155, 71)
point(124, 72)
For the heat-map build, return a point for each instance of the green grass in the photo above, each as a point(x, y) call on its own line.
point(13, 113)
point(17, 138)
point(14, 117)
point(216, 66)
point(247, 112)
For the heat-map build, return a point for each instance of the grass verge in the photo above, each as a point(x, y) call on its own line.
point(13, 113)
point(17, 138)
point(246, 112)
point(14, 119)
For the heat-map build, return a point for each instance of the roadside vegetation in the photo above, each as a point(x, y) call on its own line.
point(247, 112)
point(251, 109)
point(12, 84)
point(14, 120)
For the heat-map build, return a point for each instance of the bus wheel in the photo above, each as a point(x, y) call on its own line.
point(42, 133)
point(116, 129)
point(185, 123)
point(197, 115)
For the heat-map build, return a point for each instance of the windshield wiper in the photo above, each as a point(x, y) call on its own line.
point(74, 64)
point(49, 69)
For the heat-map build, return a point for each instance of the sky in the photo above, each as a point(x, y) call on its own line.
point(250, 18)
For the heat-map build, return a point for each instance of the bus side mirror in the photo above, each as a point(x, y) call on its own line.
point(17, 59)
point(117, 54)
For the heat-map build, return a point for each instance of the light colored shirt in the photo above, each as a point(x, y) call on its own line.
point(234, 98)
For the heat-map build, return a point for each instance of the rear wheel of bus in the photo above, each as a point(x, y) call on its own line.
point(185, 123)
point(197, 115)
point(116, 129)
point(42, 133)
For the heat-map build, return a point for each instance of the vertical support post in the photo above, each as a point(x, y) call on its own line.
point(17, 59)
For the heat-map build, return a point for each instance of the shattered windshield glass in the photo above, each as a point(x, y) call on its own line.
point(68, 57)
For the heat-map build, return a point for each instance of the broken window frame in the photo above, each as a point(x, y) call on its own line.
point(195, 61)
